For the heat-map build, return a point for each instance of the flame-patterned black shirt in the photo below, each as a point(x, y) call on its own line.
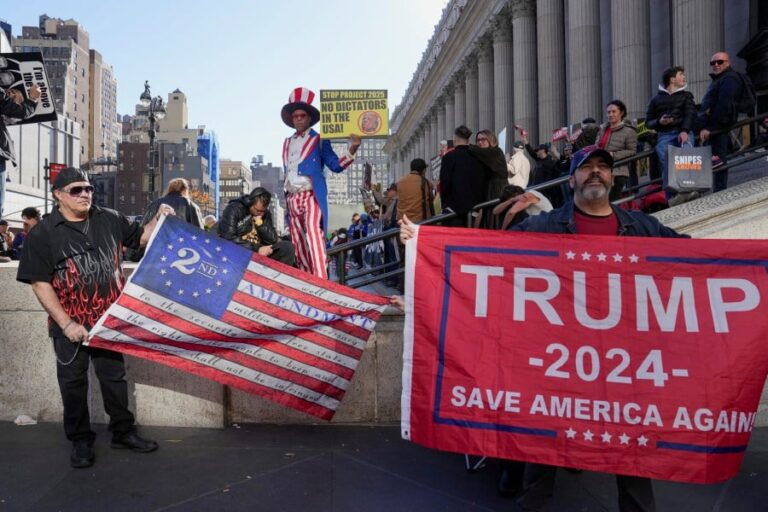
point(81, 261)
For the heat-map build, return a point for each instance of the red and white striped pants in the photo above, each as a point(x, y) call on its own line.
point(307, 233)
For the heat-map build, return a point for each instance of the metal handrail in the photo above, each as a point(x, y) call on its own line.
point(339, 251)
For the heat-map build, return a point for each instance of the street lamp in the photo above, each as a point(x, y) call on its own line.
point(156, 112)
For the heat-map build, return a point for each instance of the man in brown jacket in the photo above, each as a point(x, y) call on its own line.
point(415, 193)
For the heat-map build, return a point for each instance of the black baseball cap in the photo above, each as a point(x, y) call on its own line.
point(67, 176)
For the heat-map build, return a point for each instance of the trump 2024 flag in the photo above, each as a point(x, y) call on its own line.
point(637, 356)
point(204, 305)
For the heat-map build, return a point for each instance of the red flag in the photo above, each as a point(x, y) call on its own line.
point(210, 307)
point(639, 356)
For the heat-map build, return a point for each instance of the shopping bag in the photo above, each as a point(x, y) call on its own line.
point(689, 168)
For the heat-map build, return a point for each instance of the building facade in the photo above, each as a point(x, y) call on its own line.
point(105, 129)
point(269, 176)
point(545, 64)
point(235, 181)
point(344, 188)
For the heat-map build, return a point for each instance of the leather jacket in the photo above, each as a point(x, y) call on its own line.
point(237, 225)
point(185, 209)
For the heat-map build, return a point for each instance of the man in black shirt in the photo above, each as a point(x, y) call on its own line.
point(72, 260)
point(463, 179)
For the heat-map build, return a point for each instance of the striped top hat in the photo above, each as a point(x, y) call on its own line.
point(300, 98)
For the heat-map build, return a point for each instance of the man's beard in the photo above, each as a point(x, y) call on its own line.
point(591, 193)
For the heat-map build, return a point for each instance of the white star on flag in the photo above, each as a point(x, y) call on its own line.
point(224, 259)
point(194, 237)
point(170, 247)
point(633, 258)
point(167, 283)
point(208, 291)
point(195, 295)
point(163, 258)
point(617, 258)
point(218, 249)
point(586, 256)
point(570, 255)
point(606, 437)
point(207, 240)
point(225, 271)
point(624, 438)
point(218, 283)
point(181, 292)
point(570, 433)
point(163, 271)
point(181, 240)
point(642, 441)
point(601, 257)
point(588, 435)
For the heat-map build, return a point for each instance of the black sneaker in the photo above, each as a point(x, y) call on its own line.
point(134, 442)
point(82, 455)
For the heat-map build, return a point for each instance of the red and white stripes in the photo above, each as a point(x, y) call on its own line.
point(307, 233)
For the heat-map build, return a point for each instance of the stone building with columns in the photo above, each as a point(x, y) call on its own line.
point(543, 64)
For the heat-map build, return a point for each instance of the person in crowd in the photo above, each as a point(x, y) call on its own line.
point(590, 213)
point(13, 105)
point(491, 155)
point(588, 135)
point(356, 231)
point(762, 132)
point(619, 137)
point(463, 179)
point(305, 155)
point(72, 260)
point(6, 241)
point(208, 223)
point(177, 197)
point(518, 204)
point(416, 196)
point(718, 111)
point(247, 221)
point(518, 167)
point(671, 114)
point(30, 216)
point(545, 170)
point(389, 221)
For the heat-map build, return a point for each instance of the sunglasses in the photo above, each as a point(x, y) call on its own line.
point(719, 62)
point(76, 191)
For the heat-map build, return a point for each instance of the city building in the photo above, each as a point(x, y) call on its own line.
point(269, 176)
point(235, 181)
point(133, 158)
point(344, 188)
point(105, 130)
point(546, 64)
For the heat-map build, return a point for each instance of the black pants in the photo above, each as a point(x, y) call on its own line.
point(73, 383)
point(635, 493)
point(618, 186)
point(284, 252)
point(719, 145)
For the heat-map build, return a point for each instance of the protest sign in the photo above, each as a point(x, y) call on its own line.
point(363, 112)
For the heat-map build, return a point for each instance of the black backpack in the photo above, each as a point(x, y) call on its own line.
point(745, 103)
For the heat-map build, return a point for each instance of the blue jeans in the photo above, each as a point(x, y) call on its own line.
point(3, 175)
point(663, 140)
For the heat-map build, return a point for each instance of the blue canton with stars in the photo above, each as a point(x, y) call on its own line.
point(194, 268)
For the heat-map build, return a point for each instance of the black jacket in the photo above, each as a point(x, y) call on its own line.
point(236, 222)
point(679, 104)
point(463, 180)
point(185, 209)
point(11, 109)
point(718, 108)
point(631, 223)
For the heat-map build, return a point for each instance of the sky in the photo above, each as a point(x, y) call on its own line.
point(237, 61)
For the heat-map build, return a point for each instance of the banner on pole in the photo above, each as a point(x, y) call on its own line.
point(208, 306)
point(637, 356)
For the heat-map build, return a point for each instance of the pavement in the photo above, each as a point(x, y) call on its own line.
point(308, 468)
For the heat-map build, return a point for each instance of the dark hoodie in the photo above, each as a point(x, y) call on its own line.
point(679, 104)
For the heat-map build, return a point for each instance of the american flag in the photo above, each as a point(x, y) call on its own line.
point(210, 307)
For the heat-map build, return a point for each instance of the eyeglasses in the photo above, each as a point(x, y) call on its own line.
point(76, 191)
point(719, 62)
point(482, 139)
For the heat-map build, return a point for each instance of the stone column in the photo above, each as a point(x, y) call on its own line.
point(440, 123)
point(525, 69)
point(450, 113)
point(471, 101)
point(485, 96)
point(697, 34)
point(420, 142)
point(502, 78)
point(427, 136)
point(550, 48)
point(584, 79)
point(459, 100)
point(631, 57)
point(435, 142)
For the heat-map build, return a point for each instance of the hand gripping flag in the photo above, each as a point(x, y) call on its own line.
point(637, 356)
point(204, 305)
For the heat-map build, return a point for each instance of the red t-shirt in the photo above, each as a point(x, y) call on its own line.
point(587, 224)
